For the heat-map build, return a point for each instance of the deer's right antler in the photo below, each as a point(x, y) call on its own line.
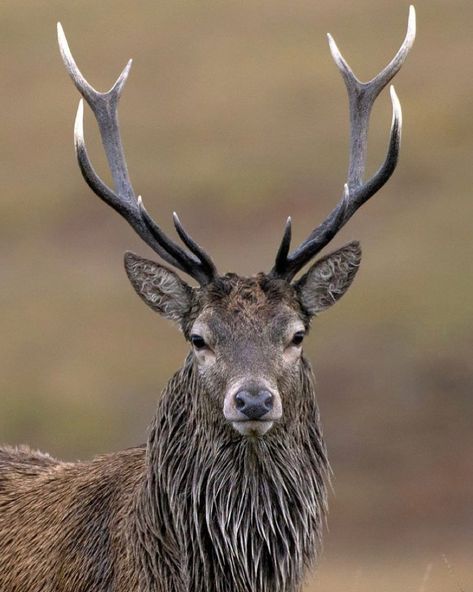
point(197, 262)
point(362, 96)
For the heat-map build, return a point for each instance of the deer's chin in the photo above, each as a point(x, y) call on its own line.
point(253, 427)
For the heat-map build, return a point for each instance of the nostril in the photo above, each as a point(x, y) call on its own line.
point(267, 400)
point(240, 399)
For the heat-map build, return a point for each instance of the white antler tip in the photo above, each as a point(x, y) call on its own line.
point(61, 36)
point(411, 26)
point(340, 60)
point(333, 47)
point(79, 120)
point(397, 111)
point(394, 97)
point(127, 68)
point(412, 17)
point(79, 143)
point(120, 82)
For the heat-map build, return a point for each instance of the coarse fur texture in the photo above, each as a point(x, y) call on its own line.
point(200, 507)
point(247, 513)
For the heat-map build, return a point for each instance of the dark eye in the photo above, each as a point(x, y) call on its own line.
point(198, 341)
point(298, 338)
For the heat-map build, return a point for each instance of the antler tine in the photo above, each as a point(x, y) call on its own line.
point(190, 243)
point(123, 199)
point(285, 245)
point(104, 107)
point(136, 215)
point(361, 97)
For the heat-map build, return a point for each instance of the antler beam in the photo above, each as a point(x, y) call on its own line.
point(361, 96)
point(196, 263)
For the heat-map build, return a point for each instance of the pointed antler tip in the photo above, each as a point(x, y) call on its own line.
point(411, 28)
point(126, 69)
point(61, 36)
point(79, 121)
point(60, 33)
point(288, 228)
point(341, 63)
point(176, 221)
point(117, 88)
point(333, 47)
point(396, 103)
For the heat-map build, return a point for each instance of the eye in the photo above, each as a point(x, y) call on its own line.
point(198, 342)
point(298, 338)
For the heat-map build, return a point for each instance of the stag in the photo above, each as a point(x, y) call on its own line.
point(229, 492)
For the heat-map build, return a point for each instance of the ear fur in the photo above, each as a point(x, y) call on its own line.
point(329, 278)
point(159, 287)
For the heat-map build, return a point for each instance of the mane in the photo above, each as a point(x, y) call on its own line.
point(233, 514)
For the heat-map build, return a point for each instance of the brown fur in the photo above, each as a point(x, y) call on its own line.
point(200, 507)
point(61, 522)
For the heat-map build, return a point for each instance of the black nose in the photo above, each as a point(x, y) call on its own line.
point(254, 404)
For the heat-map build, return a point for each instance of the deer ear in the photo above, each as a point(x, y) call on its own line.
point(159, 287)
point(329, 278)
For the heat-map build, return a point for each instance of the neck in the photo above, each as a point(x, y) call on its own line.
point(245, 514)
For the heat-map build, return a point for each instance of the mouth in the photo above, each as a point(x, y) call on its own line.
point(252, 427)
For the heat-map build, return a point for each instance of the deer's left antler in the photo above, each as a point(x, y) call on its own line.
point(362, 96)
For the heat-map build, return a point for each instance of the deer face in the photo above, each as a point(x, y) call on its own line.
point(247, 343)
point(246, 334)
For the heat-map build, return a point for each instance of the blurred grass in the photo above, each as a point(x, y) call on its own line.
point(235, 116)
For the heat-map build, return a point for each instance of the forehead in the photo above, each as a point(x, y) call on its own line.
point(235, 303)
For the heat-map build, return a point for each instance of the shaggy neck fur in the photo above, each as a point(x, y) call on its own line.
point(223, 513)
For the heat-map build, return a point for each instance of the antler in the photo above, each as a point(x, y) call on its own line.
point(362, 96)
point(196, 263)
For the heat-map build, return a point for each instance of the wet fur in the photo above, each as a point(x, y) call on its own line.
point(199, 508)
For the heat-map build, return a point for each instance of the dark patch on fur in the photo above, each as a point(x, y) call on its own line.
point(232, 293)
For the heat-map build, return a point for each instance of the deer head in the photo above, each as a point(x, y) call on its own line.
point(246, 333)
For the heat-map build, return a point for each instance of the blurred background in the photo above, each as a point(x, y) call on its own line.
point(235, 116)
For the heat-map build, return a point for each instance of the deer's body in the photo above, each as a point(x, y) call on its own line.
point(63, 525)
point(199, 508)
point(229, 493)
